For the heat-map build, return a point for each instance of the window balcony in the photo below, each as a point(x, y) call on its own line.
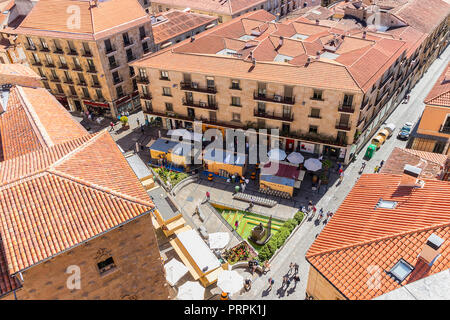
point(72, 52)
point(82, 83)
point(50, 65)
point(44, 49)
point(200, 104)
point(77, 68)
point(146, 96)
point(68, 81)
point(273, 98)
point(143, 80)
point(113, 66)
point(55, 80)
point(86, 53)
point(31, 48)
point(96, 85)
point(346, 108)
point(117, 80)
point(193, 86)
point(131, 58)
point(58, 51)
point(63, 66)
point(341, 125)
point(317, 98)
point(91, 70)
point(128, 43)
point(110, 50)
point(385, 81)
point(273, 116)
point(37, 63)
point(445, 129)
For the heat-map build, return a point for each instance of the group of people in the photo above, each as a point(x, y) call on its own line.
point(312, 209)
point(378, 167)
point(291, 274)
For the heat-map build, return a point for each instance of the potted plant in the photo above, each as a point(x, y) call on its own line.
point(124, 120)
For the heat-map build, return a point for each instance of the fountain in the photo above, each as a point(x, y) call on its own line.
point(260, 234)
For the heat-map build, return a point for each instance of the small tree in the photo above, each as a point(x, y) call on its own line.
point(124, 120)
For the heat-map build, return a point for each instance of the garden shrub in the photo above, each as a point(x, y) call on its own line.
point(299, 217)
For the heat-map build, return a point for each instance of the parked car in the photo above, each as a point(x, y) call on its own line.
point(378, 141)
point(389, 127)
point(405, 131)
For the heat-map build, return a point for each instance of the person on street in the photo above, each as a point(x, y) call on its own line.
point(381, 164)
point(112, 126)
point(376, 169)
point(296, 279)
point(138, 123)
point(243, 187)
point(271, 282)
point(341, 176)
point(291, 267)
point(236, 189)
point(208, 195)
point(247, 284)
point(296, 268)
point(236, 224)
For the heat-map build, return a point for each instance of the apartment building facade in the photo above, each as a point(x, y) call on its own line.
point(88, 70)
point(226, 10)
point(262, 84)
point(433, 130)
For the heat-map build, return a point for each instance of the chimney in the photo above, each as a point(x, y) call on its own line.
point(253, 62)
point(317, 55)
point(308, 61)
point(192, 39)
point(430, 252)
point(317, 21)
point(364, 34)
point(410, 177)
point(281, 41)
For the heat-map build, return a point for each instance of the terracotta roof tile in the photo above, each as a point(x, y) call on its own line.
point(360, 235)
point(177, 23)
point(440, 93)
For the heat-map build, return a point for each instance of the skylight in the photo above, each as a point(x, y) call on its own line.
point(329, 55)
point(401, 270)
point(247, 37)
point(299, 36)
point(282, 58)
point(386, 204)
point(227, 51)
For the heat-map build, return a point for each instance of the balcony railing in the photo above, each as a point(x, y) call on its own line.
point(91, 70)
point(140, 79)
point(444, 129)
point(200, 104)
point(31, 48)
point(68, 81)
point(381, 97)
point(128, 43)
point(193, 86)
point(77, 68)
point(342, 125)
point(86, 53)
point(273, 98)
point(273, 115)
point(50, 65)
point(113, 66)
point(58, 51)
point(346, 108)
point(72, 52)
point(388, 78)
point(36, 63)
point(131, 58)
point(110, 49)
point(63, 66)
point(117, 80)
point(82, 83)
point(44, 49)
point(96, 85)
point(55, 80)
point(146, 96)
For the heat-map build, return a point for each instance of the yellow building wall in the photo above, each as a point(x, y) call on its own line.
point(276, 186)
point(231, 169)
point(320, 288)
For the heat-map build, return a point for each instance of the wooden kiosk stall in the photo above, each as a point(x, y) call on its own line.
point(225, 163)
point(284, 180)
point(166, 216)
point(173, 152)
point(197, 256)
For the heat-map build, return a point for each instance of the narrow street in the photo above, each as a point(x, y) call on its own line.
point(297, 246)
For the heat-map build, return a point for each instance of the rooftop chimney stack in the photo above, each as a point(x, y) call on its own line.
point(430, 252)
point(281, 41)
point(317, 21)
point(318, 55)
point(364, 34)
point(410, 177)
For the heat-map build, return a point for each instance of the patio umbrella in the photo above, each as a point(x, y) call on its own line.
point(175, 270)
point(218, 240)
point(295, 158)
point(191, 291)
point(230, 281)
point(276, 154)
point(313, 164)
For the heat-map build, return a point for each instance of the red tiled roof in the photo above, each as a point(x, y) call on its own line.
point(227, 7)
point(360, 235)
point(440, 93)
point(34, 119)
point(430, 163)
point(177, 23)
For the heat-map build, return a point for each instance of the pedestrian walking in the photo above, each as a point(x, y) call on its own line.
point(236, 189)
point(208, 195)
point(271, 282)
point(236, 224)
point(314, 209)
point(291, 267)
point(243, 187)
point(142, 128)
point(112, 126)
point(381, 164)
point(340, 171)
point(138, 122)
point(296, 268)
point(341, 176)
point(375, 170)
point(285, 279)
point(296, 279)
point(339, 167)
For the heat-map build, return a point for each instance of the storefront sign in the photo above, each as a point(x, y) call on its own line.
point(96, 104)
point(307, 147)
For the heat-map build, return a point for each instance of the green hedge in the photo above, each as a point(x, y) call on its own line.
point(277, 240)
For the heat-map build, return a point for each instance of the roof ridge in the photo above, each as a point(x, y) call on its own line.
point(98, 187)
point(363, 243)
point(411, 152)
point(436, 97)
point(33, 118)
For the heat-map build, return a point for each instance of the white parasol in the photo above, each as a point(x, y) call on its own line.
point(191, 291)
point(295, 158)
point(313, 164)
point(218, 240)
point(175, 270)
point(276, 154)
point(230, 281)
